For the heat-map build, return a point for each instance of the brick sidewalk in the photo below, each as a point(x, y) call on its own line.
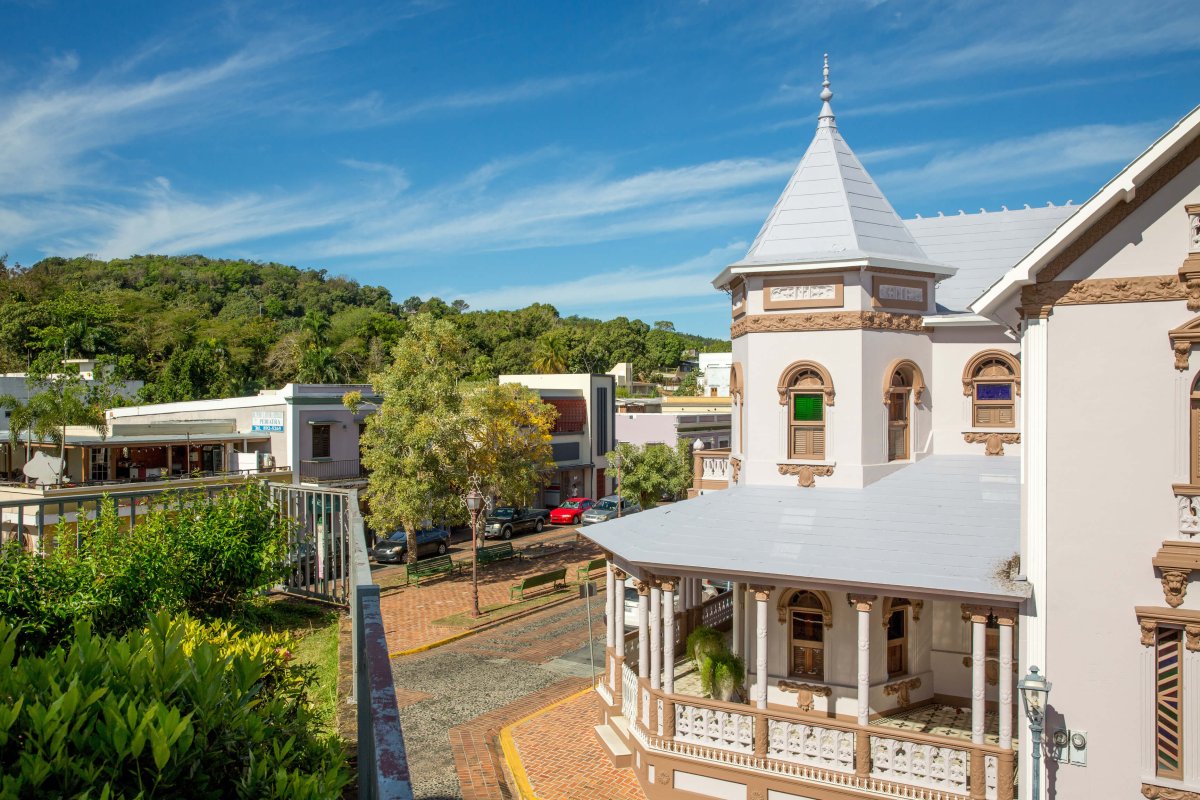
point(408, 613)
point(564, 760)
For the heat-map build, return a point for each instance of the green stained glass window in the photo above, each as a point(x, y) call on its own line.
point(807, 408)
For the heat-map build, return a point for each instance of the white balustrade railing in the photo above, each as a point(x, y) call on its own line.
point(991, 770)
point(920, 764)
point(714, 727)
point(645, 707)
point(603, 690)
point(717, 611)
point(815, 745)
point(1189, 514)
point(715, 467)
point(629, 693)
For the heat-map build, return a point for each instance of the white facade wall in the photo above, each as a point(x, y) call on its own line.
point(953, 347)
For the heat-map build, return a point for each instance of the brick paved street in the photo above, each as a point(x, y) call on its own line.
point(459, 696)
point(564, 760)
point(409, 612)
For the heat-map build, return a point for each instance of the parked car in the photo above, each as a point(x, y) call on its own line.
point(571, 512)
point(507, 520)
point(393, 549)
point(631, 604)
point(606, 509)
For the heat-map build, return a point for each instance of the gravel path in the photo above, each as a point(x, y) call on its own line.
point(482, 673)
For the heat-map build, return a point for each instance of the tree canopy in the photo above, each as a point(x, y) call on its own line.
point(195, 328)
point(654, 471)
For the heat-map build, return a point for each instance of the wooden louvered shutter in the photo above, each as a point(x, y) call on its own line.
point(1004, 415)
point(808, 442)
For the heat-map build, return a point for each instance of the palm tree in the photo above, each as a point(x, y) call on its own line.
point(66, 402)
point(550, 354)
point(319, 365)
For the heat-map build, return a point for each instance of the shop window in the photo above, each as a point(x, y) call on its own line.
point(806, 389)
point(992, 379)
point(1168, 703)
point(320, 441)
point(98, 463)
point(807, 620)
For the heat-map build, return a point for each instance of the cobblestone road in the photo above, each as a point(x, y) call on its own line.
point(460, 695)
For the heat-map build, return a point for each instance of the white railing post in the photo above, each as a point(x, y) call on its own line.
point(1006, 618)
point(979, 618)
point(862, 604)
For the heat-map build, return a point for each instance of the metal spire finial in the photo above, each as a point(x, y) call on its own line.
point(826, 96)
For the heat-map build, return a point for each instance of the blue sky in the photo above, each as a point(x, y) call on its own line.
point(609, 158)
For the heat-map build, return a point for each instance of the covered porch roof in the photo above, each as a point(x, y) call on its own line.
point(946, 525)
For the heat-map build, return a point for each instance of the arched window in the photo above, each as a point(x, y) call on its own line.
point(903, 386)
point(807, 615)
point(806, 389)
point(992, 380)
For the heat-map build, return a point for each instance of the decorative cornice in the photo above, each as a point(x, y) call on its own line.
point(1151, 288)
point(1183, 339)
point(1150, 618)
point(1189, 273)
point(993, 442)
point(806, 474)
point(1153, 792)
point(1116, 215)
point(828, 321)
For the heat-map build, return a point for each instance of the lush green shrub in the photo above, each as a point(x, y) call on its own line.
point(721, 673)
point(179, 710)
point(704, 641)
point(187, 553)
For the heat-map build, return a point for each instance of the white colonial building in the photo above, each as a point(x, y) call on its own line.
point(961, 447)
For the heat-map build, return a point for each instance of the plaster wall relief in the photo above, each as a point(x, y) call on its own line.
point(889, 292)
point(901, 689)
point(824, 291)
point(828, 321)
point(993, 443)
point(1175, 561)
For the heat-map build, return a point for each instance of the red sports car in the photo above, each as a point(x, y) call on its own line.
point(570, 512)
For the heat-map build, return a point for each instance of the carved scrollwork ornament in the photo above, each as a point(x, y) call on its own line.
point(735, 467)
point(1152, 792)
point(1149, 630)
point(829, 321)
point(901, 690)
point(993, 443)
point(805, 693)
point(1192, 637)
point(806, 474)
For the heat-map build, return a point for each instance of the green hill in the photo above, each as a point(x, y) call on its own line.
point(195, 328)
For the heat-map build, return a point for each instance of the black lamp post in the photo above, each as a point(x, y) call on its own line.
point(1034, 690)
point(475, 504)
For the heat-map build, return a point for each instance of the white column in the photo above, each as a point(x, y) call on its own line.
point(643, 630)
point(1006, 677)
point(761, 596)
point(668, 601)
point(610, 583)
point(616, 616)
point(739, 608)
point(656, 617)
point(978, 677)
point(862, 604)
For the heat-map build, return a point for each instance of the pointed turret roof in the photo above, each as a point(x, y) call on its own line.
point(831, 209)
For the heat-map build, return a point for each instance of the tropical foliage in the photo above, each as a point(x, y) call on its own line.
point(196, 328)
point(652, 472)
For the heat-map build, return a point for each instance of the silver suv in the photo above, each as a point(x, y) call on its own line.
point(606, 509)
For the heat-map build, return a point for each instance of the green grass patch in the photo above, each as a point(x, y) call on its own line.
point(315, 628)
point(495, 611)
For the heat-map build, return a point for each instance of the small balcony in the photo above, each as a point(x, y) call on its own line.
point(325, 470)
point(711, 470)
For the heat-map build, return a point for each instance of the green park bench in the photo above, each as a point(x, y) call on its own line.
point(551, 579)
point(495, 552)
point(438, 565)
point(584, 573)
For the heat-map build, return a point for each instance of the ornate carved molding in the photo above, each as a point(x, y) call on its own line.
point(761, 593)
point(993, 442)
point(1099, 229)
point(822, 598)
point(1150, 619)
point(1176, 560)
point(901, 689)
point(806, 473)
point(917, 605)
point(1098, 291)
point(788, 377)
point(737, 382)
point(667, 583)
point(861, 602)
point(828, 321)
point(735, 469)
point(1189, 274)
point(643, 588)
point(805, 692)
point(1174, 584)
point(1153, 792)
point(976, 613)
point(1005, 616)
point(915, 377)
point(619, 574)
point(1183, 339)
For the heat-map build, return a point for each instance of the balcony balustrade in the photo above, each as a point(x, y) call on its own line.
point(326, 470)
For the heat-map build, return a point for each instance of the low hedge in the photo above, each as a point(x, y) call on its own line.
point(181, 710)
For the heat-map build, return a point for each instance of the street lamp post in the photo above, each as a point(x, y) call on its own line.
point(475, 502)
point(1034, 690)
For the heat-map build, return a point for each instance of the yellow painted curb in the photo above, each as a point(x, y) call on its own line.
point(431, 645)
point(513, 759)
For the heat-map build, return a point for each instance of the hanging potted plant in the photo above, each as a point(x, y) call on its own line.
point(726, 673)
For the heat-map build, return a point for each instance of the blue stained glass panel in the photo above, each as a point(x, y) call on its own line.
point(993, 391)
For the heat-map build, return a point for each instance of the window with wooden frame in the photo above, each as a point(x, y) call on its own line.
point(1168, 703)
point(1194, 450)
point(992, 379)
point(805, 389)
point(899, 401)
point(320, 441)
point(897, 638)
point(807, 619)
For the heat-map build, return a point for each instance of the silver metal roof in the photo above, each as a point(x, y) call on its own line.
point(982, 246)
point(945, 525)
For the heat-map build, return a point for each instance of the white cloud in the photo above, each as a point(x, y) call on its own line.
point(627, 285)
